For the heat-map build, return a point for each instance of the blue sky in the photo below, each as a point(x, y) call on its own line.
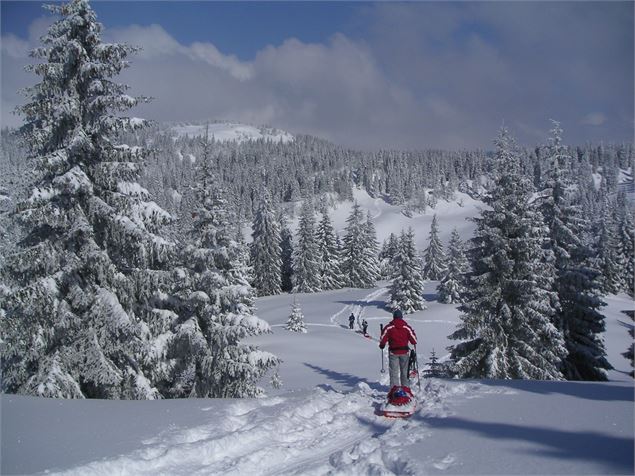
point(401, 75)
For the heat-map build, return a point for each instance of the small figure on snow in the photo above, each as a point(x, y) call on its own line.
point(351, 321)
point(398, 334)
point(364, 327)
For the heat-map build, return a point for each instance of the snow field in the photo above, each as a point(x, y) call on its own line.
point(324, 419)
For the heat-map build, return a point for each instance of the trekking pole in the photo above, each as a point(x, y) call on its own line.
point(383, 371)
point(417, 366)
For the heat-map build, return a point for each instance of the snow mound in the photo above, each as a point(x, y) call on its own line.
point(230, 131)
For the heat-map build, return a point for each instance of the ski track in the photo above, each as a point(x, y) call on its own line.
point(325, 432)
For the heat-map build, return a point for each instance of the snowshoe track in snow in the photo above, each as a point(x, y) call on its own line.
point(323, 432)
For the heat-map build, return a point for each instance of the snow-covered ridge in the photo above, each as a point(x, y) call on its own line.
point(232, 131)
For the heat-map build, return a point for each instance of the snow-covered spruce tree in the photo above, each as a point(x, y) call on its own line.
point(406, 289)
point(434, 257)
point(506, 323)
point(387, 255)
point(286, 246)
point(578, 317)
point(306, 258)
point(607, 257)
point(626, 243)
point(452, 286)
point(295, 323)
point(216, 306)
point(372, 249)
point(630, 353)
point(266, 253)
point(359, 263)
point(330, 274)
point(80, 321)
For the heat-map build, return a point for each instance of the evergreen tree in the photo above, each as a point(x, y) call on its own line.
point(266, 252)
point(330, 275)
point(80, 321)
point(629, 354)
point(452, 287)
point(434, 367)
point(387, 256)
point(371, 250)
point(306, 264)
point(359, 264)
point(296, 319)
point(577, 316)
point(625, 244)
point(506, 319)
point(406, 290)
point(286, 246)
point(217, 308)
point(434, 268)
point(607, 256)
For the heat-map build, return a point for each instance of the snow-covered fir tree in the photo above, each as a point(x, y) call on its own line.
point(452, 286)
point(286, 255)
point(578, 317)
point(217, 306)
point(359, 261)
point(434, 367)
point(434, 257)
point(387, 255)
point(506, 321)
point(330, 273)
point(406, 289)
point(266, 252)
point(626, 243)
point(372, 248)
point(295, 323)
point(630, 353)
point(79, 321)
point(306, 258)
point(607, 258)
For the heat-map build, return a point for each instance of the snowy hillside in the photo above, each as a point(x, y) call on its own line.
point(391, 218)
point(230, 131)
point(323, 420)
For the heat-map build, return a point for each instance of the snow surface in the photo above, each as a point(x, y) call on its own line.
point(391, 219)
point(324, 420)
point(229, 131)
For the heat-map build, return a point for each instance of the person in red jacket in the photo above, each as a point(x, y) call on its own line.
point(398, 334)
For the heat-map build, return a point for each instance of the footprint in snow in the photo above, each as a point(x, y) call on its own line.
point(445, 463)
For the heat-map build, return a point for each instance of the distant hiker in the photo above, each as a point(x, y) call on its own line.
point(351, 320)
point(364, 326)
point(398, 334)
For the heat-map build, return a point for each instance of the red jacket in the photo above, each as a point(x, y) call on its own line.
point(398, 333)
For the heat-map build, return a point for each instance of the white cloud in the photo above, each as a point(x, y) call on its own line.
point(425, 75)
point(594, 119)
point(14, 47)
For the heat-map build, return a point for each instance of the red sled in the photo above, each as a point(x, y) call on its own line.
point(401, 403)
